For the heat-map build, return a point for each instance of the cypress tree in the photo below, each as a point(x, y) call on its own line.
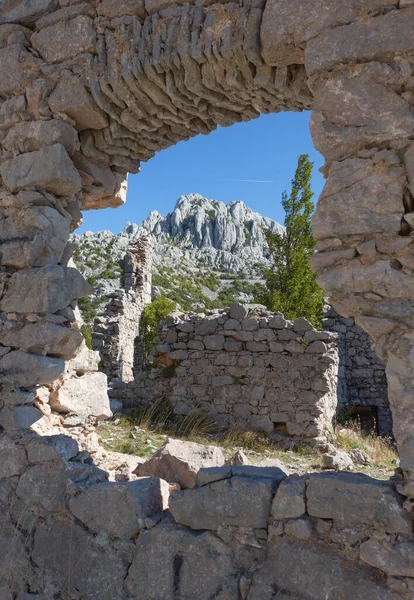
point(290, 285)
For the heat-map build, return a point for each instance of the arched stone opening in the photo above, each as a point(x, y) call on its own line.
point(89, 90)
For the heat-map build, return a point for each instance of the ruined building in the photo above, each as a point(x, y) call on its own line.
point(87, 91)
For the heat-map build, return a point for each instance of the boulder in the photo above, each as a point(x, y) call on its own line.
point(24, 370)
point(120, 508)
point(85, 396)
point(355, 498)
point(338, 460)
point(179, 462)
point(49, 168)
point(52, 288)
point(238, 311)
point(359, 457)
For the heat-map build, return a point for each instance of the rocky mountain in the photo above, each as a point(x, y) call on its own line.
point(205, 252)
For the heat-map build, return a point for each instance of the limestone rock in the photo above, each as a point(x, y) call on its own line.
point(239, 501)
point(85, 361)
point(359, 457)
point(65, 39)
point(24, 369)
point(313, 571)
point(179, 462)
point(33, 236)
point(86, 395)
point(44, 338)
point(51, 288)
point(102, 570)
point(338, 460)
point(34, 135)
point(171, 560)
point(300, 529)
point(289, 500)
point(25, 11)
point(108, 8)
point(117, 508)
point(396, 559)
point(71, 97)
point(49, 168)
point(355, 498)
point(19, 418)
point(51, 448)
point(13, 459)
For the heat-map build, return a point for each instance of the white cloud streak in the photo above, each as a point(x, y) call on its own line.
point(249, 180)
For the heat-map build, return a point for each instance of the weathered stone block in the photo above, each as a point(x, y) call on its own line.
point(86, 395)
point(25, 12)
point(13, 459)
point(24, 369)
point(214, 342)
point(122, 8)
point(374, 39)
point(356, 498)
point(65, 39)
point(286, 26)
point(348, 199)
point(33, 237)
point(16, 63)
point(34, 135)
point(19, 418)
point(44, 338)
point(49, 168)
point(237, 502)
point(289, 501)
point(169, 558)
point(116, 508)
point(313, 571)
point(395, 559)
point(51, 288)
point(154, 6)
point(102, 571)
point(179, 462)
point(72, 98)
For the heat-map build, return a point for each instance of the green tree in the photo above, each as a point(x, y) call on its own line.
point(290, 285)
point(153, 314)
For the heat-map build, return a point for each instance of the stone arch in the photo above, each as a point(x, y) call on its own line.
point(88, 90)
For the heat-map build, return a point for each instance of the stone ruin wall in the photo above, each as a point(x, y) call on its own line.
point(245, 366)
point(87, 91)
point(361, 374)
point(116, 335)
point(362, 380)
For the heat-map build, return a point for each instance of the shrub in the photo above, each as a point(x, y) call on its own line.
point(153, 314)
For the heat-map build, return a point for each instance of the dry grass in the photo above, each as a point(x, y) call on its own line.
point(146, 428)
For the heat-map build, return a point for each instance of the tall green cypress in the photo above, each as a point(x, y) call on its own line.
point(290, 285)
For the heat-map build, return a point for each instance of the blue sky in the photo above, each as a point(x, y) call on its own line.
point(254, 162)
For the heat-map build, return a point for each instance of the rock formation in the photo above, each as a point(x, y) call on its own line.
point(120, 81)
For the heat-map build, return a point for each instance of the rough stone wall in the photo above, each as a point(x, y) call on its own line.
point(362, 381)
point(115, 334)
point(89, 89)
point(245, 366)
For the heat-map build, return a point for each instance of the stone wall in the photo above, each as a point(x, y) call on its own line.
point(245, 366)
point(87, 91)
point(116, 335)
point(362, 381)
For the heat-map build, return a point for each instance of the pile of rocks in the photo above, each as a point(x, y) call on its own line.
point(245, 365)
